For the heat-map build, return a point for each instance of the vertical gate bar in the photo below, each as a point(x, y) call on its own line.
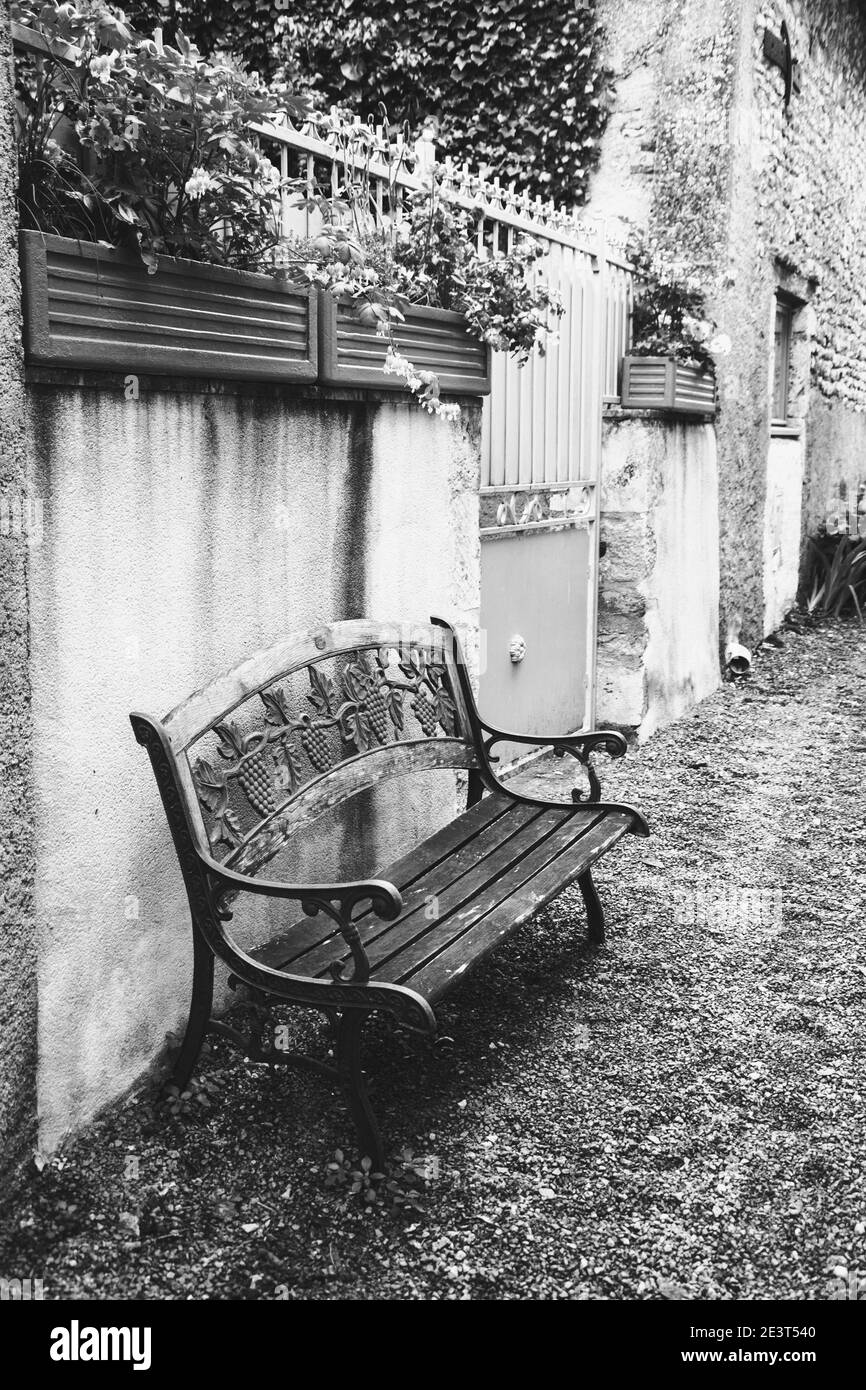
point(563, 377)
point(574, 396)
point(537, 365)
point(551, 380)
point(597, 435)
point(498, 418)
point(512, 423)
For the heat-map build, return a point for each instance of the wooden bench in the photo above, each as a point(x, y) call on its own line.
point(289, 736)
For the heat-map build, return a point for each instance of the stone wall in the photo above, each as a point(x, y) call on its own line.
point(17, 534)
point(659, 576)
point(183, 531)
point(752, 198)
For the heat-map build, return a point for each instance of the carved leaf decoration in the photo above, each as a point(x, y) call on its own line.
point(356, 681)
point(411, 664)
point(211, 786)
point(288, 765)
point(447, 710)
point(231, 746)
point(230, 820)
point(358, 729)
point(395, 708)
point(276, 709)
point(433, 676)
point(321, 695)
point(383, 658)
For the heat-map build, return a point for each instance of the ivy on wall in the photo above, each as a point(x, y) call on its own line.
point(517, 86)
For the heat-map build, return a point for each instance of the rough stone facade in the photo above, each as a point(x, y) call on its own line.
point(17, 947)
point(658, 607)
point(753, 198)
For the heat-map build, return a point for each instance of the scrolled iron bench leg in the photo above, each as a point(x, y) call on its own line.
point(354, 1086)
point(199, 1012)
point(594, 909)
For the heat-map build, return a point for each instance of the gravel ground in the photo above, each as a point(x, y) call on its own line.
point(674, 1116)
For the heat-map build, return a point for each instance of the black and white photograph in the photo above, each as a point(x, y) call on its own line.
point(433, 669)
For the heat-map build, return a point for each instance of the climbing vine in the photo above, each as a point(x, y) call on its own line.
point(519, 87)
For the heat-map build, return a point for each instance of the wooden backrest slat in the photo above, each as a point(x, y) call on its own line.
point(333, 788)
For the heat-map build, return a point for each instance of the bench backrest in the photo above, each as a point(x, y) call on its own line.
point(297, 729)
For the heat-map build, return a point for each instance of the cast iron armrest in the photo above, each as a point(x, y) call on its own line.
point(578, 746)
point(336, 900)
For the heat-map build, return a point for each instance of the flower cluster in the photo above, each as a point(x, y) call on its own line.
point(424, 252)
point(423, 385)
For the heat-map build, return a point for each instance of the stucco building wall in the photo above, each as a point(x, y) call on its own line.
point(18, 1005)
point(752, 198)
point(183, 531)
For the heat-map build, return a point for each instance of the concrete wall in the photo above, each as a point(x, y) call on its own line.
point(183, 531)
point(835, 463)
point(659, 581)
point(751, 198)
point(18, 1005)
point(782, 529)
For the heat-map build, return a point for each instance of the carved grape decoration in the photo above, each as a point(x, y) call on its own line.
point(254, 775)
point(426, 713)
point(377, 708)
point(316, 747)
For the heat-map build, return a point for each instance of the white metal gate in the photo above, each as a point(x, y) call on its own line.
point(541, 460)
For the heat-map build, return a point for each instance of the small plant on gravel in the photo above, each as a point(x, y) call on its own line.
point(197, 1095)
point(159, 1095)
point(397, 1187)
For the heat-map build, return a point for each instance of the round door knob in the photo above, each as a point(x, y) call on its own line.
point(517, 648)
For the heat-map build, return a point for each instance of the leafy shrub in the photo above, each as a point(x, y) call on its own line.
point(421, 253)
point(670, 313)
point(143, 144)
point(837, 580)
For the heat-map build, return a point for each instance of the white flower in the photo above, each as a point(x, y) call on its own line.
point(199, 183)
point(267, 171)
point(721, 345)
point(100, 68)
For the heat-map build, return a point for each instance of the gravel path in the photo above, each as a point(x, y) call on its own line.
point(677, 1115)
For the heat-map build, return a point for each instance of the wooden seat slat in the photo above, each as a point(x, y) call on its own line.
point(309, 932)
point(436, 976)
point(485, 854)
point(479, 894)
